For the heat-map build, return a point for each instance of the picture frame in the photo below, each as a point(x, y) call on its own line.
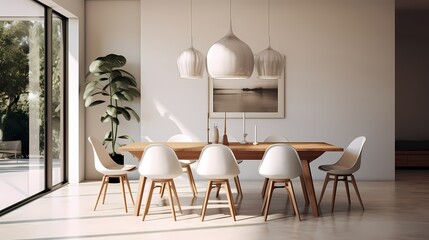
point(257, 98)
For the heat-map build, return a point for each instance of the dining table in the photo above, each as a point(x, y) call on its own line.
point(307, 151)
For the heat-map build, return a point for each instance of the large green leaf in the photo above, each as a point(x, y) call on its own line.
point(124, 80)
point(90, 102)
point(108, 118)
point(133, 91)
point(91, 86)
point(126, 137)
point(112, 110)
point(134, 113)
point(126, 114)
point(119, 96)
point(107, 63)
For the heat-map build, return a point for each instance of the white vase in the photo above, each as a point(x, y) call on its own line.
point(215, 135)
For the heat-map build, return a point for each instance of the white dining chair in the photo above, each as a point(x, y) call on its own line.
point(110, 169)
point(272, 138)
point(217, 163)
point(347, 164)
point(237, 178)
point(280, 164)
point(186, 164)
point(160, 164)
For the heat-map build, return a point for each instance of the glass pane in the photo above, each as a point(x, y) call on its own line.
point(57, 100)
point(22, 124)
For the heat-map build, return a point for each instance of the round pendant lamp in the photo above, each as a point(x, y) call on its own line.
point(269, 63)
point(230, 58)
point(190, 62)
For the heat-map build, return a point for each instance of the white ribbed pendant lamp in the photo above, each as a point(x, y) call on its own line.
point(190, 62)
point(269, 63)
point(230, 58)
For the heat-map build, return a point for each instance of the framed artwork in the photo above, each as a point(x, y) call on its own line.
point(258, 98)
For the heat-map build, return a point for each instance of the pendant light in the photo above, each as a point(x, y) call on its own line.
point(230, 58)
point(269, 63)
point(191, 61)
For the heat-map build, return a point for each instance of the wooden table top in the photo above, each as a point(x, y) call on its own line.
point(191, 150)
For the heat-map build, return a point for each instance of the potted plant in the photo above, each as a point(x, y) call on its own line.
point(114, 86)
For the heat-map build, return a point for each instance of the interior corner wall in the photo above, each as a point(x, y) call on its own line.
point(340, 73)
point(412, 74)
point(111, 27)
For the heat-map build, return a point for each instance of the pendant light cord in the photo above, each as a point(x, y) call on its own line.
point(268, 23)
point(192, 38)
point(230, 16)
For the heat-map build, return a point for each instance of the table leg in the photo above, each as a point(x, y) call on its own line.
point(142, 183)
point(304, 190)
point(308, 179)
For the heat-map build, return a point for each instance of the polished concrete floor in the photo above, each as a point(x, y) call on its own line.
point(393, 210)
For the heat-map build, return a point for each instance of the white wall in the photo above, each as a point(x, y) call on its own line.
point(340, 79)
point(111, 27)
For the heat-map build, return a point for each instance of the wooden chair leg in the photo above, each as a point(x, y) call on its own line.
point(170, 197)
point(127, 180)
point(270, 194)
point(173, 187)
point(334, 192)
point(103, 181)
point(149, 198)
point(346, 183)
point(106, 184)
point(238, 186)
point(230, 200)
point(264, 202)
point(218, 186)
point(325, 183)
point(188, 170)
point(161, 191)
point(206, 200)
point(289, 188)
point(357, 191)
point(121, 181)
point(264, 187)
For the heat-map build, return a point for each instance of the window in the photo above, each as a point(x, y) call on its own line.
point(32, 79)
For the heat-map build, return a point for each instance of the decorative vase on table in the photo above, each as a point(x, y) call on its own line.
point(215, 134)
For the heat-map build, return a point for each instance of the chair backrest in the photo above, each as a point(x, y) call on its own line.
point(159, 161)
point(102, 159)
point(351, 157)
point(276, 138)
point(280, 161)
point(180, 138)
point(217, 161)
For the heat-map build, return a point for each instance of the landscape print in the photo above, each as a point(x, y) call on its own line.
point(248, 95)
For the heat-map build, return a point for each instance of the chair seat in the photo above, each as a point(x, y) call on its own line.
point(119, 170)
point(184, 163)
point(218, 177)
point(336, 169)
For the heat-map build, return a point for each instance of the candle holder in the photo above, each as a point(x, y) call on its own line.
point(244, 129)
point(244, 139)
point(225, 137)
point(256, 136)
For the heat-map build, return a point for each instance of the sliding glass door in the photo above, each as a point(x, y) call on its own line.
point(31, 101)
